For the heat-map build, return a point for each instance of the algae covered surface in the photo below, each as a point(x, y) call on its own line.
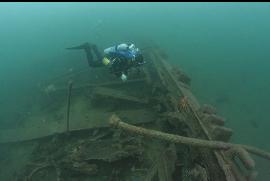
point(222, 47)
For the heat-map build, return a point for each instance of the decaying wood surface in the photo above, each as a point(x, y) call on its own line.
point(169, 101)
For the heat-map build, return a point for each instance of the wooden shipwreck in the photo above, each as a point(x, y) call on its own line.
point(149, 128)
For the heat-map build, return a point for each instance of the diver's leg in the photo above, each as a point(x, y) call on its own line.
point(87, 48)
point(98, 54)
point(82, 46)
point(98, 62)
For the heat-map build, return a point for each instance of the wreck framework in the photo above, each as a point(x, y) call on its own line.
point(157, 98)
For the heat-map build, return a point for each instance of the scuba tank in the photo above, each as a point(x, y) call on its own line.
point(121, 47)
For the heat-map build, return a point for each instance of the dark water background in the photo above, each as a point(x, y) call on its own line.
point(223, 47)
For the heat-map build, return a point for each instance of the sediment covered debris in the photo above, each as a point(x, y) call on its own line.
point(165, 134)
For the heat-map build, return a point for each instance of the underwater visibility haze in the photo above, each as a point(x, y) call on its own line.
point(222, 47)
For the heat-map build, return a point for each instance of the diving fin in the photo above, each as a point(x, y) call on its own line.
point(82, 46)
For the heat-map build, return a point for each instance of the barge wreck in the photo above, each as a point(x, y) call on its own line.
point(149, 128)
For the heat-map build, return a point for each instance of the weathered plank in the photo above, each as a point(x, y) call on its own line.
point(107, 92)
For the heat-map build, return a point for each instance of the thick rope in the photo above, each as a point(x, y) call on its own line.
point(117, 123)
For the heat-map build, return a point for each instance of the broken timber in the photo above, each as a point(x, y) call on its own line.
point(166, 105)
point(202, 128)
point(107, 92)
point(113, 83)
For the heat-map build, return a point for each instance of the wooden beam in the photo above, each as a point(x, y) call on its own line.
point(107, 92)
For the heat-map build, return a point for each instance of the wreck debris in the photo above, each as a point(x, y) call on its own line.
point(85, 168)
point(116, 122)
point(29, 178)
point(242, 155)
point(184, 105)
point(42, 167)
point(85, 158)
point(249, 164)
point(213, 119)
point(160, 100)
point(205, 108)
point(49, 89)
point(107, 92)
point(181, 76)
point(68, 103)
point(166, 164)
point(111, 83)
point(221, 133)
point(197, 173)
point(163, 161)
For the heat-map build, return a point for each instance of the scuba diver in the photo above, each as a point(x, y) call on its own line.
point(119, 59)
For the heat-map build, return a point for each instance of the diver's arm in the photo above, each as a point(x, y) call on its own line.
point(118, 71)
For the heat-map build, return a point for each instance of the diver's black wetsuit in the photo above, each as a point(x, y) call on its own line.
point(119, 59)
point(119, 65)
point(88, 48)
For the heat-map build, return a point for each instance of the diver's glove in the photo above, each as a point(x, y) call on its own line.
point(123, 77)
